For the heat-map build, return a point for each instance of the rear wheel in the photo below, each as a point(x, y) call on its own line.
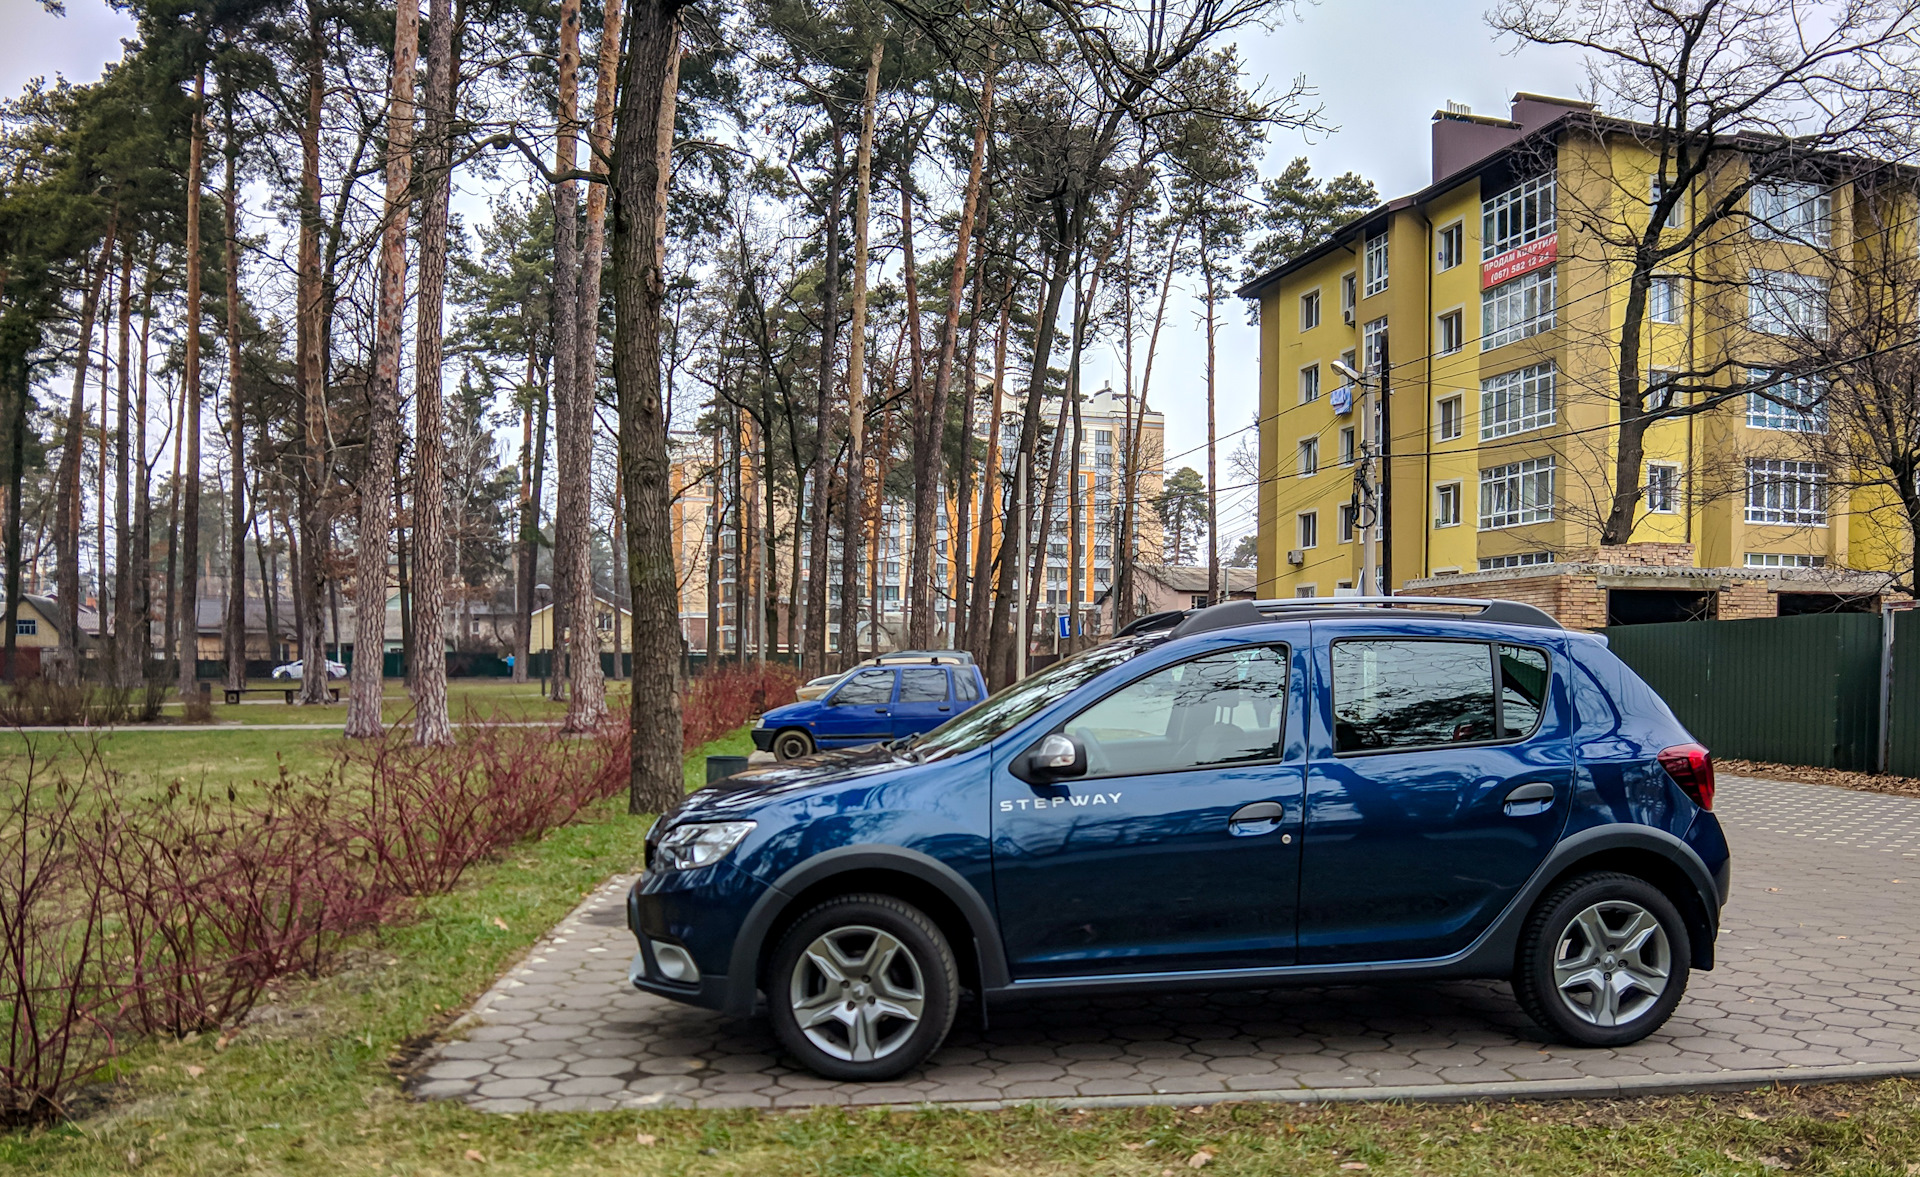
point(792, 744)
point(1603, 960)
point(863, 987)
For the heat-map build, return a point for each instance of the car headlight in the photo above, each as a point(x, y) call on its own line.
point(700, 843)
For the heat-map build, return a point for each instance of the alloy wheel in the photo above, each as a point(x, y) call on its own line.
point(1612, 963)
point(857, 993)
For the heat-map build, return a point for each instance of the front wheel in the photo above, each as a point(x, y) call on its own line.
point(862, 988)
point(1603, 960)
point(792, 744)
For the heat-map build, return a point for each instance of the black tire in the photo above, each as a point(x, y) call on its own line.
point(1600, 994)
point(918, 960)
point(791, 744)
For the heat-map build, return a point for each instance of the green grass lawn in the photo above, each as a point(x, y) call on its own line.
point(313, 1089)
point(495, 699)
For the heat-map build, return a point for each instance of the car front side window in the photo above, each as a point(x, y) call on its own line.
point(1220, 709)
point(869, 688)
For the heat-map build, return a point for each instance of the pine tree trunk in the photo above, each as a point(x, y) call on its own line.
point(123, 624)
point(235, 630)
point(851, 532)
point(924, 438)
point(815, 656)
point(310, 311)
point(66, 526)
point(139, 652)
point(926, 468)
point(186, 609)
point(370, 575)
point(993, 521)
point(1213, 481)
point(431, 724)
point(644, 149)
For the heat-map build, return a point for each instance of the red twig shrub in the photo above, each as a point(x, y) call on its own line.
point(55, 984)
point(726, 697)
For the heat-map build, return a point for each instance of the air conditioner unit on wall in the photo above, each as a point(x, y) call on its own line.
point(1296, 556)
point(1346, 313)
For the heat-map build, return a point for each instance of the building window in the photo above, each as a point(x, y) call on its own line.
point(1309, 522)
point(1521, 214)
point(1373, 345)
point(1663, 299)
point(1784, 560)
point(1309, 456)
point(1656, 189)
point(27, 626)
point(1791, 212)
point(1453, 333)
point(1523, 560)
point(1349, 294)
point(1794, 403)
point(1309, 384)
point(1305, 592)
point(1780, 302)
point(1452, 417)
point(1663, 388)
point(1376, 263)
point(1446, 505)
point(1346, 446)
point(1517, 309)
point(1663, 488)
point(1516, 494)
point(1452, 247)
point(1514, 402)
point(1786, 492)
point(1309, 310)
point(1344, 519)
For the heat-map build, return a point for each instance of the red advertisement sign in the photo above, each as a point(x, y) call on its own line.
point(1523, 260)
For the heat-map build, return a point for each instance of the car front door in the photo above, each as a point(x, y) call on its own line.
point(1179, 848)
point(1440, 776)
point(923, 703)
point(859, 710)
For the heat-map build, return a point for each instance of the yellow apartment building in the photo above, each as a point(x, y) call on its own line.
point(1476, 448)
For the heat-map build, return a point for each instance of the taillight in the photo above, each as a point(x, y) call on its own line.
point(1692, 769)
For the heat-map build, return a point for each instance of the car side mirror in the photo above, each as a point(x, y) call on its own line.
point(1055, 757)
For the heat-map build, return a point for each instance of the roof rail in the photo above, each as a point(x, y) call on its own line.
point(1232, 614)
point(1153, 621)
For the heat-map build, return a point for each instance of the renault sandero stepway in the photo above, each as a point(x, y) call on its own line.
point(1253, 794)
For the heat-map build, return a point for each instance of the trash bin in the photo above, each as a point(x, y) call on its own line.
point(720, 767)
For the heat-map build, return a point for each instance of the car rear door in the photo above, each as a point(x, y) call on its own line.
point(924, 701)
point(859, 710)
point(1178, 850)
point(1439, 777)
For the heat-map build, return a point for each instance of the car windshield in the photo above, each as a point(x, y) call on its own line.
point(981, 725)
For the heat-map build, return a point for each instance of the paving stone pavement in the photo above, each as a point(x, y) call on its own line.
point(1819, 967)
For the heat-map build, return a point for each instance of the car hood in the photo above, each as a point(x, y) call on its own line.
point(743, 791)
point(803, 709)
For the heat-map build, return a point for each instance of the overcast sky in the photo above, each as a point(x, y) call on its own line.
point(1379, 68)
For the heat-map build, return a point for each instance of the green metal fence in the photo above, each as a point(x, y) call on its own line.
point(1903, 728)
point(1793, 690)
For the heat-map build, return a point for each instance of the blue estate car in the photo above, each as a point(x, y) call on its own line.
point(1254, 794)
point(873, 705)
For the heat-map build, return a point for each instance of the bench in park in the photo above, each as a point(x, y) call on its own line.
point(234, 693)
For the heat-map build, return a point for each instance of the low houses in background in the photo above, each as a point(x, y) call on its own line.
point(605, 611)
point(1159, 588)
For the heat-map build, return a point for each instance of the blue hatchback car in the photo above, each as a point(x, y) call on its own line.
point(1254, 794)
point(871, 706)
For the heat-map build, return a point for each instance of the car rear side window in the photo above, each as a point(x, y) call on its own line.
point(1225, 708)
point(923, 686)
point(869, 688)
point(964, 688)
point(1411, 694)
point(1523, 690)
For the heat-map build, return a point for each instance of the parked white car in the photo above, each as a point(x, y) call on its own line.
point(296, 670)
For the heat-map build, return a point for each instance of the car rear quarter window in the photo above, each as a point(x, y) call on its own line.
point(869, 688)
point(1225, 708)
point(965, 688)
point(1391, 694)
point(923, 686)
point(1523, 689)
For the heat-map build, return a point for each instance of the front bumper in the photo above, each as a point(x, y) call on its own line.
point(763, 738)
point(701, 911)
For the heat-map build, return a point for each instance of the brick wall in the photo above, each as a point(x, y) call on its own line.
point(1747, 598)
point(1640, 555)
point(1575, 601)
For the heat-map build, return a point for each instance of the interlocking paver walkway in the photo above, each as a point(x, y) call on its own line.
point(1819, 968)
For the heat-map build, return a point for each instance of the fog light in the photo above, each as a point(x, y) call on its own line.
point(675, 964)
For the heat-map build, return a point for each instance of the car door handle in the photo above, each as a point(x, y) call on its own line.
point(1529, 799)
point(944, 707)
point(879, 710)
point(1261, 817)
